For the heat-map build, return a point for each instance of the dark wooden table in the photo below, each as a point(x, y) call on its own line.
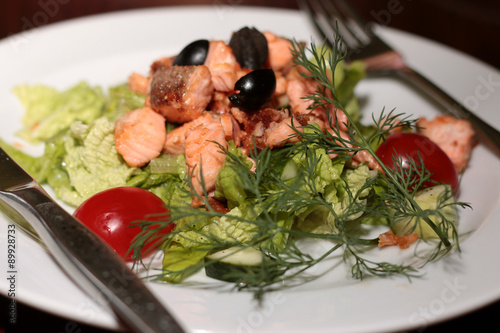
point(471, 26)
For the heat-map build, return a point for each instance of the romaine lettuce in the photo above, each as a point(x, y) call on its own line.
point(228, 187)
point(91, 160)
point(121, 100)
point(50, 112)
point(177, 260)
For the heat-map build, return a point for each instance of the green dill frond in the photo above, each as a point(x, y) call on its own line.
point(274, 207)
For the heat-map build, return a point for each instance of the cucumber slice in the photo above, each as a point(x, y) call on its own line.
point(290, 170)
point(164, 164)
point(223, 265)
point(429, 198)
point(284, 167)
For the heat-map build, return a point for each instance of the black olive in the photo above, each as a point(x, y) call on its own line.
point(250, 48)
point(254, 90)
point(193, 54)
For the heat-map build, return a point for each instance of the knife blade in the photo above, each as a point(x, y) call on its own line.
point(84, 257)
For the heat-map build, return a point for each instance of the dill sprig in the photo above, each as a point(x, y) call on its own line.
point(275, 205)
point(402, 182)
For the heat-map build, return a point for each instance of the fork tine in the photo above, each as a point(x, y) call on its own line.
point(313, 12)
point(337, 16)
point(339, 11)
point(358, 26)
point(329, 21)
point(323, 21)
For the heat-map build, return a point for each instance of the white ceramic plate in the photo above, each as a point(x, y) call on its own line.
point(105, 49)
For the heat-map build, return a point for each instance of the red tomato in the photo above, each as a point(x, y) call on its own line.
point(434, 158)
point(109, 214)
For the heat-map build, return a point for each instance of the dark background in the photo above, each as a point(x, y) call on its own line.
point(471, 26)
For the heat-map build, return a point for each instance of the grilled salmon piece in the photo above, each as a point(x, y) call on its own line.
point(280, 52)
point(204, 157)
point(454, 136)
point(176, 138)
point(140, 136)
point(390, 239)
point(180, 93)
point(138, 83)
point(223, 66)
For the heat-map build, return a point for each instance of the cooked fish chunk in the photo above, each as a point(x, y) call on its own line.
point(204, 157)
point(454, 136)
point(181, 93)
point(140, 136)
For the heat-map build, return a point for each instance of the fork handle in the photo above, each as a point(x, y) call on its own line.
point(487, 134)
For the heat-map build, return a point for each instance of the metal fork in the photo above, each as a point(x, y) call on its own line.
point(332, 16)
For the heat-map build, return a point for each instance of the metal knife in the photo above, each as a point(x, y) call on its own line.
point(85, 258)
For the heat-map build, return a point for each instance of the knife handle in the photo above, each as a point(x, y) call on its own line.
point(90, 262)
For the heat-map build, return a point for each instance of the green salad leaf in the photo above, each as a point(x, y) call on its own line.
point(77, 127)
point(50, 112)
point(91, 160)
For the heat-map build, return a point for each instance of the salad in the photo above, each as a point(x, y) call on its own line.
point(253, 146)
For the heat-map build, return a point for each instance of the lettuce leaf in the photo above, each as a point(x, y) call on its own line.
point(77, 127)
point(345, 194)
point(180, 262)
point(227, 187)
point(231, 228)
point(170, 186)
point(79, 163)
point(325, 169)
point(121, 100)
point(349, 193)
point(91, 160)
point(50, 112)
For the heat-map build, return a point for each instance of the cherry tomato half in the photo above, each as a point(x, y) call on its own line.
point(110, 213)
point(404, 144)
